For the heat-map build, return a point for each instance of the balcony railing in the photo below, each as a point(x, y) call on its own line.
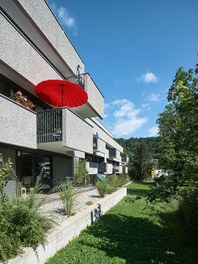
point(112, 153)
point(95, 143)
point(49, 126)
point(78, 79)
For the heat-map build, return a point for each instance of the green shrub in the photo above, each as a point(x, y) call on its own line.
point(67, 196)
point(118, 180)
point(81, 173)
point(110, 189)
point(102, 186)
point(21, 225)
point(188, 205)
point(114, 181)
point(5, 169)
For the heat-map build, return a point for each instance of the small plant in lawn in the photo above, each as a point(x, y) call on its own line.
point(67, 195)
point(102, 186)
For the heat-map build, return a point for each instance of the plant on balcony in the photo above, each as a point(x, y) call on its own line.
point(22, 99)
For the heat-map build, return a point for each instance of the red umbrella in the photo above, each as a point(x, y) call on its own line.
point(61, 93)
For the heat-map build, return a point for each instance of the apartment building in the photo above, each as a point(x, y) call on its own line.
point(34, 48)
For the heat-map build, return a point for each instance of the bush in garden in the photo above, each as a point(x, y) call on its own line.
point(21, 225)
point(81, 173)
point(188, 205)
point(102, 187)
point(5, 170)
point(118, 180)
point(67, 195)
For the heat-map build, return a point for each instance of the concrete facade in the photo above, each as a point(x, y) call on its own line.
point(18, 125)
point(34, 48)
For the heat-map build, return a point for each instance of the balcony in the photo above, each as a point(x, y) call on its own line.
point(61, 130)
point(114, 154)
point(92, 167)
point(17, 124)
point(116, 169)
point(95, 104)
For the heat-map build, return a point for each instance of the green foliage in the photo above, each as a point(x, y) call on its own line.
point(67, 195)
point(111, 183)
point(21, 225)
point(188, 205)
point(102, 187)
point(179, 140)
point(133, 231)
point(81, 173)
point(116, 181)
point(141, 163)
point(143, 153)
point(5, 169)
point(131, 145)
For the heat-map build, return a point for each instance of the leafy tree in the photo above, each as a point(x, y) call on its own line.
point(178, 126)
point(141, 164)
point(141, 153)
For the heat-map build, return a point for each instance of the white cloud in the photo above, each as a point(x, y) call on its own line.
point(153, 131)
point(153, 98)
point(65, 18)
point(126, 119)
point(148, 77)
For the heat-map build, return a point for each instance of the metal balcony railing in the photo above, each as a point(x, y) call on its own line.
point(95, 143)
point(49, 126)
point(112, 153)
point(78, 79)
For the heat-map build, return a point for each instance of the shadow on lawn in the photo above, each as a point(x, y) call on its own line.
point(139, 192)
point(139, 241)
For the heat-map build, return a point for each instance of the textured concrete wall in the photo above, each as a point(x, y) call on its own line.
point(101, 145)
point(77, 133)
point(17, 124)
point(109, 168)
point(92, 169)
point(68, 230)
point(103, 134)
point(21, 56)
point(49, 26)
point(95, 98)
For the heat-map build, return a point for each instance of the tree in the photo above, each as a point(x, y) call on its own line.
point(141, 164)
point(178, 126)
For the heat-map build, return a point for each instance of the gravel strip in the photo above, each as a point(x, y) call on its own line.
point(53, 206)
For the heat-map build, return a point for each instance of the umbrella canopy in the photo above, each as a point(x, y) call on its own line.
point(61, 93)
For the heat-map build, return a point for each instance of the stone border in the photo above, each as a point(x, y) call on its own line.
point(69, 229)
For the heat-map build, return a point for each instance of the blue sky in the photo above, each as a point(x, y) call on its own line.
point(132, 49)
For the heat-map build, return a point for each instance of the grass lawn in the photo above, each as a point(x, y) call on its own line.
point(133, 231)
